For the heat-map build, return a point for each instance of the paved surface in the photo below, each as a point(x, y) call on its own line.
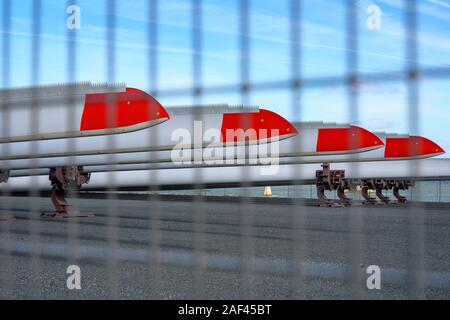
point(203, 247)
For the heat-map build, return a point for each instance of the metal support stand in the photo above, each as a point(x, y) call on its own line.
point(4, 177)
point(367, 185)
point(327, 179)
point(340, 192)
point(64, 179)
point(382, 184)
point(400, 198)
point(398, 185)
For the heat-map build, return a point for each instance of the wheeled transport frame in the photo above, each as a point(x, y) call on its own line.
point(64, 180)
point(327, 179)
point(4, 176)
point(384, 184)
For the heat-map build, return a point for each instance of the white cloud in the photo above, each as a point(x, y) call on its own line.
point(274, 28)
point(424, 7)
point(440, 3)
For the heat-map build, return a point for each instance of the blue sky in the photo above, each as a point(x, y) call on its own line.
point(382, 105)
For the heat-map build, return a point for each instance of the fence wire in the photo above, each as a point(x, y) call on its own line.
point(151, 252)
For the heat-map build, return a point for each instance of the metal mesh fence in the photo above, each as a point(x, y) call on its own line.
point(122, 234)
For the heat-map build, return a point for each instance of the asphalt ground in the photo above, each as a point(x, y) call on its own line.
point(223, 248)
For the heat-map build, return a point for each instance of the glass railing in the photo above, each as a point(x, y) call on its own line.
point(424, 191)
